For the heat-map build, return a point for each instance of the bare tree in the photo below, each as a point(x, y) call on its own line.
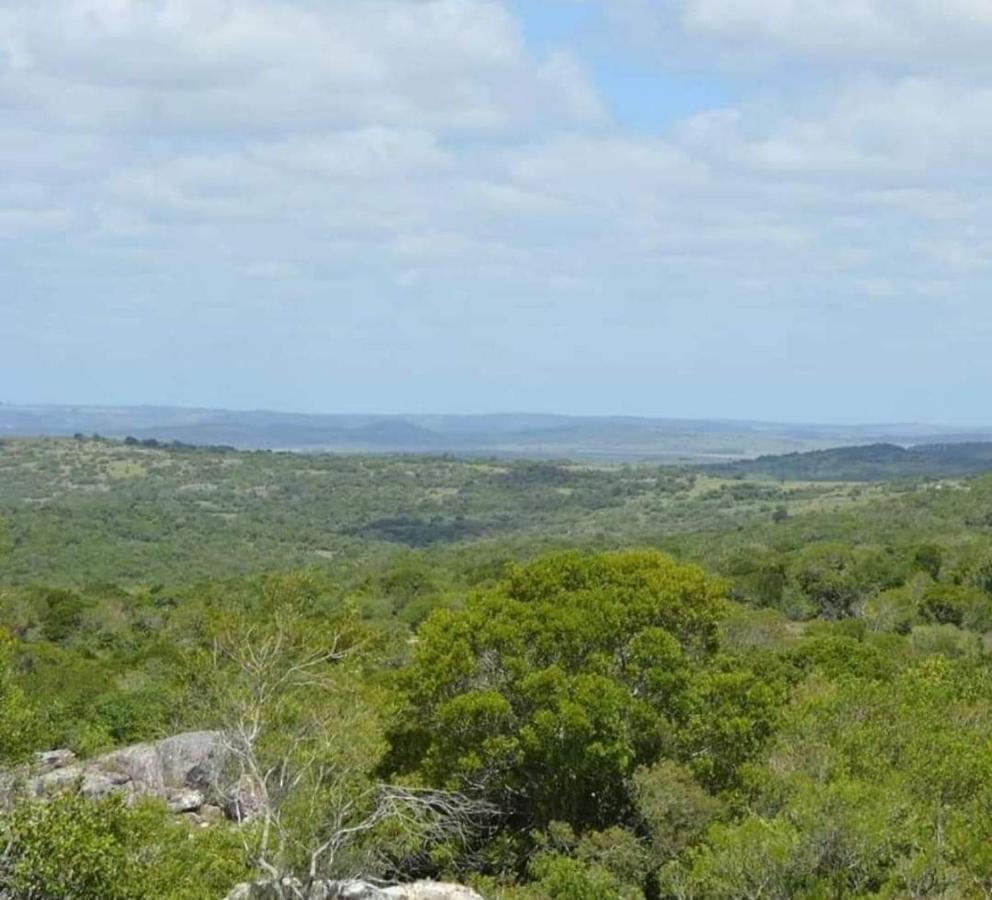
point(304, 733)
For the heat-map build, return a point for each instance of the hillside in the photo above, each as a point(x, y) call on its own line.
point(613, 438)
point(97, 510)
point(875, 462)
point(471, 670)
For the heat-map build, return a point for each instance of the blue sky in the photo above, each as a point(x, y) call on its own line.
point(777, 209)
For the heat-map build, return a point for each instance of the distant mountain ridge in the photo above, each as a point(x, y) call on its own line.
point(874, 462)
point(528, 435)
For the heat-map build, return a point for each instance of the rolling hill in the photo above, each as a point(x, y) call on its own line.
point(539, 436)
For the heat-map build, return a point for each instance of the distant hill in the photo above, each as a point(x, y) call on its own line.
point(511, 435)
point(875, 462)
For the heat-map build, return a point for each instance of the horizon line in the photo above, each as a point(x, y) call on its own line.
point(822, 423)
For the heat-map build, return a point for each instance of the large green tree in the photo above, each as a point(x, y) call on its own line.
point(546, 693)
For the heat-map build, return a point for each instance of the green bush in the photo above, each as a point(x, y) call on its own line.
point(70, 848)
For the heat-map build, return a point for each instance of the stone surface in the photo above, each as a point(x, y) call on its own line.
point(185, 771)
point(353, 890)
point(431, 890)
point(54, 782)
point(54, 759)
point(185, 800)
point(196, 758)
point(97, 784)
point(211, 813)
point(138, 764)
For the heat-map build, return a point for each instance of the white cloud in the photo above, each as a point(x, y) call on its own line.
point(366, 158)
point(373, 152)
point(263, 65)
point(917, 33)
point(911, 132)
point(28, 221)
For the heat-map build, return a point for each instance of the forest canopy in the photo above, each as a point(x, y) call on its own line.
point(635, 682)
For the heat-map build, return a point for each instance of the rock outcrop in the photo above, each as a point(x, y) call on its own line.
point(185, 771)
point(352, 890)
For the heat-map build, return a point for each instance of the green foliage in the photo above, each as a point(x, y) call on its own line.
point(875, 462)
point(81, 513)
point(832, 578)
point(758, 574)
point(734, 709)
point(957, 604)
point(862, 786)
point(754, 859)
point(929, 558)
point(841, 656)
point(617, 851)
point(19, 726)
point(305, 727)
point(746, 630)
point(547, 693)
point(563, 878)
point(895, 610)
point(673, 808)
point(946, 640)
point(816, 723)
point(836, 841)
point(74, 849)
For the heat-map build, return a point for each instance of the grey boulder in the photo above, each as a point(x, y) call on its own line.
point(182, 770)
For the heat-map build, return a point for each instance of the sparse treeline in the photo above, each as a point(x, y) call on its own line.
point(762, 705)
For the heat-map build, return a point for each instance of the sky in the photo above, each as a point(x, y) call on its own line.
point(751, 209)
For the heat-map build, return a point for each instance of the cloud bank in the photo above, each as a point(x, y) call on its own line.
point(412, 204)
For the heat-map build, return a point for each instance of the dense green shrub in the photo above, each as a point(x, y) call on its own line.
point(547, 693)
point(71, 848)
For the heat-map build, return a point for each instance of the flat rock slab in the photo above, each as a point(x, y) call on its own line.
point(183, 770)
point(353, 890)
